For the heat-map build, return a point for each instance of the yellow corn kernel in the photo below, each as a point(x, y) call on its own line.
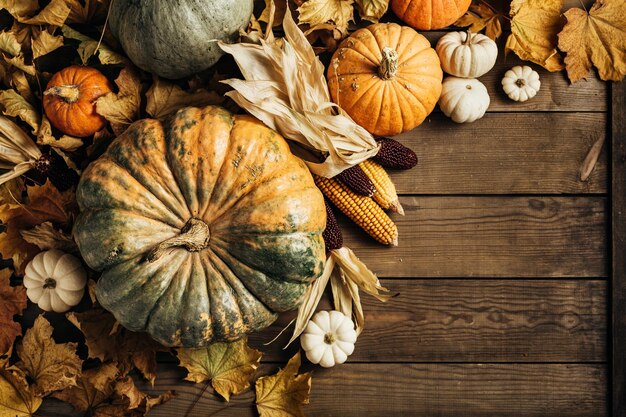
point(385, 194)
point(360, 209)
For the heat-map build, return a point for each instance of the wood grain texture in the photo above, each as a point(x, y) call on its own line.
point(505, 153)
point(473, 321)
point(491, 237)
point(618, 273)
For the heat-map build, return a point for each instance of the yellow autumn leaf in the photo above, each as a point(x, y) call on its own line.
point(284, 393)
point(13, 302)
point(229, 366)
point(88, 47)
point(122, 109)
point(534, 28)
point(597, 38)
point(16, 398)
point(164, 98)
point(14, 105)
point(9, 43)
point(482, 16)
point(372, 10)
point(93, 388)
point(65, 142)
point(316, 12)
point(19, 62)
point(21, 8)
point(87, 10)
point(44, 43)
point(54, 14)
point(51, 366)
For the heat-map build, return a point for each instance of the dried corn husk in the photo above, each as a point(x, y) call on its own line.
point(18, 152)
point(347, 274)
point(285, 88)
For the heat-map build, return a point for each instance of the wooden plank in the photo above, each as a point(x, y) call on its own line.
point(618, 283)
point(473, 321)
point(471, 390)
point(505, 153)
point(530, 237)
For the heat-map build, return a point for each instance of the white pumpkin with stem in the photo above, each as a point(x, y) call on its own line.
point(466, 54)
point(55, 281)
point(464, 100)
point(521, 83)
point(329, 338)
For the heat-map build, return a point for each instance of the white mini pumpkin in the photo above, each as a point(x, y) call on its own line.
point(463, 100)
point(466, 54)
point(521, 83)
point(329, 338)
point(55, 281)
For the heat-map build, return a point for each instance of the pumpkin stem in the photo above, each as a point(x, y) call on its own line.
point(50, 283)
point(68, 93)
point(388, 64)
point(468, 38)
point(194, 236)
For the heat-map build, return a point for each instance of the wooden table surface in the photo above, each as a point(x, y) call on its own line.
point(502, 269)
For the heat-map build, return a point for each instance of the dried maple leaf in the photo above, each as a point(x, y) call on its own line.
point(45, 236)
point(229, 366)
point(137, 399)
point(14, 105)
point(16, 398)
point(88, 47)
point(21, 7)
point(11, 191)
point(9, 43)
point(107, 341)
point(51, 366)
point(534, 28)
point(316, 12)
point(45, 42)
point(482, 16)
point(91, 10)
point(54, 14)
point(284, 393)
point(92, 390)
point(45, 203)
point(13, 302)
point(372, 10)
point(596, 38)
point(46, 137)
point(122, 109)
point(164, 98)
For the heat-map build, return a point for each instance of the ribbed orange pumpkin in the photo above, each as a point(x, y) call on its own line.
point(69, 100)
point(386, 77)
point(429, 14)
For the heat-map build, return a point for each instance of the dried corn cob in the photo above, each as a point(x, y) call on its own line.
point(362, 210)
point(392, 154)
point(385, 194)
point(332, 234)
point(357, 180)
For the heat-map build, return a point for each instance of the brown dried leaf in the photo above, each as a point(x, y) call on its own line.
point(14, 105)
point(229, 366)
point(165, 98)
point(54, 14)
point(20, 83)
point(45, 236)
point(122, 109)
point(280, 8)
point(16, 398)
point(481, 16)
point(89, 47)
point(92, 10)
point(45, 203)
point(284, 393)
point(597, 38)
point(372, 10)
point(13, 302)
point(21, 8)
point(591, 159)
point(93, 388)
point(9, 44)
point(534, 28)
point(65, 142)
point(44, 43)
point(11, 191)
point(52, 366)
point(315, 12)
point(20, 63)
point(137, 399)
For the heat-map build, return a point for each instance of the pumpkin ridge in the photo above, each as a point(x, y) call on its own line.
point(373, 59)
point(409, 95)
point(402, 114)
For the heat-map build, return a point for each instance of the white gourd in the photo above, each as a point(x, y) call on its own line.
point(55, 281)
point(463, 100)
point(329, 338)
point(466, 54)
point(521, 83)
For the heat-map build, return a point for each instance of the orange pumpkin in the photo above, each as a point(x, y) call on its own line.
point(69, 100)
point(430, 14)
point(386, 77)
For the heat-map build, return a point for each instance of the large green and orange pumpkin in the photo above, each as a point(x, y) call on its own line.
point(204, 227)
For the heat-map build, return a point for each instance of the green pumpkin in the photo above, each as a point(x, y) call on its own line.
point(204, 227)
point(175, 39)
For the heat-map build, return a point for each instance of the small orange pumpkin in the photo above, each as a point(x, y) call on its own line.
point(386, 77)
point(69, 100)
point(429, 14)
